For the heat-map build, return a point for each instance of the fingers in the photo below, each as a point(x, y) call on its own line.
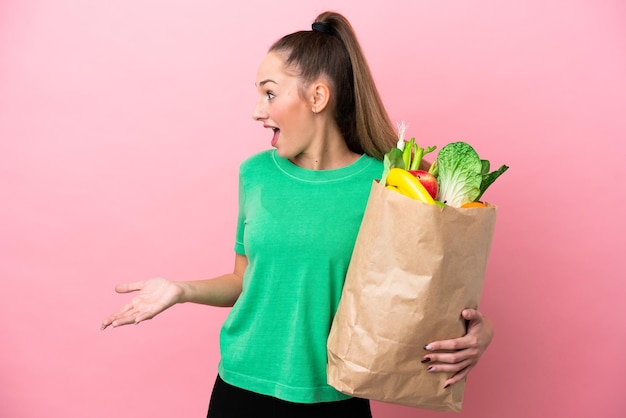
point(467, 341)
point(119, 320)
point(457, 377)
point(459, 355)
point(129, 314)
point(457, 364)
point(458, 369)
point(122, 317)
point(129, 287)
point(435, 366)
point(154, 296)
point(125, 315)
point(455, 344)
point(455, 358)
point(471, 314)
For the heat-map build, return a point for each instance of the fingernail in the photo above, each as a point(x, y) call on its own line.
point(427, 347)
point(431, 368)
point(426, 360)
point(447, 386)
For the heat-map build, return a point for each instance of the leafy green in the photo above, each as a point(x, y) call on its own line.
point(485, 167)
point(392, 159)
point(489, 178)
point(460, 174)
point(463, 176)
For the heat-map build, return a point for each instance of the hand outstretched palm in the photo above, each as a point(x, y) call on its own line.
point(155, 296)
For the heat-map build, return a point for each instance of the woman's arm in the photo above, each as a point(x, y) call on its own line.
point(220, 291)
point(156, 295)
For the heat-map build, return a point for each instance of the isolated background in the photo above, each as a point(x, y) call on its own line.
point(122, 124)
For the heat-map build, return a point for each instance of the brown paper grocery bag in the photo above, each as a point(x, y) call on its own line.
point(414, 268)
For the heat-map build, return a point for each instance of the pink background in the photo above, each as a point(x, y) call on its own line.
point(122, 124)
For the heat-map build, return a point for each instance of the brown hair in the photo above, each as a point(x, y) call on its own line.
point(336, 54)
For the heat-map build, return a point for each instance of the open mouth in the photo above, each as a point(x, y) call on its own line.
point(275, 137)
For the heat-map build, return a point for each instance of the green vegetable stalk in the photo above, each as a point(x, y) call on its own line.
point(407, 155)
point(412, 154)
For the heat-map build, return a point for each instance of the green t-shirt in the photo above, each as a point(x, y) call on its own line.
point(297, 227)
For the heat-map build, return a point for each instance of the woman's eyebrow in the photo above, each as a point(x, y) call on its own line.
point(262, 83)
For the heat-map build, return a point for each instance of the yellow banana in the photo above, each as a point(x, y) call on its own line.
point(408, 185)
point(395, 189)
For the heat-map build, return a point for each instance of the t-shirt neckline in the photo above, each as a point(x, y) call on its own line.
point(306, 174)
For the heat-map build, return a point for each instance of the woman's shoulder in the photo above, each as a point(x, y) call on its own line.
point(260, 159)
point(373, 165)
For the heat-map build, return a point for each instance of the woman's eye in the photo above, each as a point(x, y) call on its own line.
point(270, 95)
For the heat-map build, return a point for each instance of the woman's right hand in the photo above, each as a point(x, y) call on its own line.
point(155, 296)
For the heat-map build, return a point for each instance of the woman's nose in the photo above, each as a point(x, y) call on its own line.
point(259, 112)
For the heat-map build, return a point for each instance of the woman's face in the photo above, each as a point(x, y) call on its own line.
point(282, 109)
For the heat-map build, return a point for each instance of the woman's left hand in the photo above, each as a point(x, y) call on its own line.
point(466, 351)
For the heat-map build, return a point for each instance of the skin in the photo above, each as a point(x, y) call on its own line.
point(305, 133)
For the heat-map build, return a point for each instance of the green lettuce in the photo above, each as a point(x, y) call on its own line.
point(460, 174)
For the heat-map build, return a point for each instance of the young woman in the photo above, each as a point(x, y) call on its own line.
point(300, 207)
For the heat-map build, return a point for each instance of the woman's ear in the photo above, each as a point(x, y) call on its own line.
point(320, 96)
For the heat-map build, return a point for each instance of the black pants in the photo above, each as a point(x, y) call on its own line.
point(229, 401)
